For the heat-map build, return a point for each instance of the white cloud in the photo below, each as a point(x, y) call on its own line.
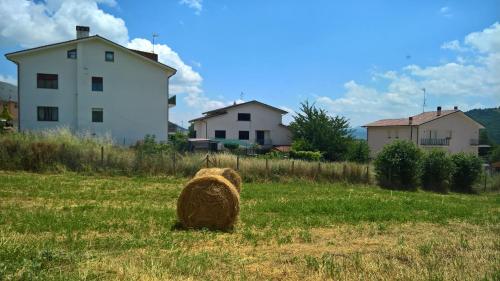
point(196, 5)
point(399, 93)
point(454, 46)
point(445, 12)
point(31, 24)
point(8, 78)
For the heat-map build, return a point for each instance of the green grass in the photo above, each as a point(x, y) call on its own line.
point(72, 226)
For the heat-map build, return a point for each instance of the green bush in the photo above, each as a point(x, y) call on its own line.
point(306, 155)
point(397, 165)
point(495, 155)
point(231, 146)
point(358, 151)
point(467, 171)
point(437, 168)
point(179, 142)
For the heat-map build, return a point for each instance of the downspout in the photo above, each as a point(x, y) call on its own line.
point(19, 98)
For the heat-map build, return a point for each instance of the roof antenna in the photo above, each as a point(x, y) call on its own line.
point(154, 36)
point(423, 105)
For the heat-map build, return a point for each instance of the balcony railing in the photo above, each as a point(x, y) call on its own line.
point(442, 142)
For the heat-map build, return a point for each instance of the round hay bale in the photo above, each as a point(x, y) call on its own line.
point(208, 202)
point(228, 173)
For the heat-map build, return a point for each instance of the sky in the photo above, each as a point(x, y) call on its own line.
point(365, 60)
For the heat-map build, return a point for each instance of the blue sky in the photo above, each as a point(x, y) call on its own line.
point(362, 59)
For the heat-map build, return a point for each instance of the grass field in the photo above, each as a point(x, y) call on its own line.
point(69, 227)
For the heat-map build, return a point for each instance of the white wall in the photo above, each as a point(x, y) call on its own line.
point(134, 99)
point(462, 128)
point(262, 118)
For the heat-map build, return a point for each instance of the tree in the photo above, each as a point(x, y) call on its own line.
point(314, 130)
point(192, 132)
point(437, 168)
point(467, 170)
point(397, 165)
point(6, 114)
point(358, 151)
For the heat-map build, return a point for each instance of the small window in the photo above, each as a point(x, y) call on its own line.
point(97, 84)
point(47, 113)
point(46, 81)
point(243, 116)
point(97, 115)
point(220, 134)
point(244, 135)
point(109, 56)
point(71, 54)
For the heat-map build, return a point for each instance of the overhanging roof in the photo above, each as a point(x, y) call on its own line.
point(13, 55)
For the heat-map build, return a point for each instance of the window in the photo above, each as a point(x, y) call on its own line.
point(71, 54)
point(244, 135)
point(47, 113)
point(243, 116)
point(109, 56)
point(97, 84)
point(220, 134)
point(46, 81)
point(97, 115)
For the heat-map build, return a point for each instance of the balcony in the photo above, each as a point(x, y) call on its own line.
point(435, 142)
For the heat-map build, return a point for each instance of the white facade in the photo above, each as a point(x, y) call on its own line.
point(134, 98)
point(454, 132)
point(264, 127)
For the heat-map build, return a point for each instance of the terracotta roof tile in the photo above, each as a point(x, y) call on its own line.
point(417, 119)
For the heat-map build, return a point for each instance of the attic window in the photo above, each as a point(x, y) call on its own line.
point(243, 116)
point(71, 54)
point(109, 56)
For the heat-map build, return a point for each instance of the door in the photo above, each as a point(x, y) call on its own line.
point(259, 137)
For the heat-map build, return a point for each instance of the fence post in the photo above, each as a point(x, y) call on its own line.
point(267, 166)
point(368, 173)
point(485, 175)
point(207, 160)
point(175, 160)
point(319, 167)
point(293, 166)
point(102, 155)
point(237, 162)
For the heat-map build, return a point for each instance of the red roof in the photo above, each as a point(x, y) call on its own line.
point(417, 119)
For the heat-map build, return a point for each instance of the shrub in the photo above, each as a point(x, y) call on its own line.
point(495, 155)
point(179, 142)
point(306, 155)
point(397, 165)
point(358, 151)
point(231, 146)
point(466, 173)
point(437, 168)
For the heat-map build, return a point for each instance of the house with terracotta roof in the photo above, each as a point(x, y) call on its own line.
point(93, 85)
point(245, 123)
point(450, 130)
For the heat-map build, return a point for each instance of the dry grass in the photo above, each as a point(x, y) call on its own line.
point(117, 228)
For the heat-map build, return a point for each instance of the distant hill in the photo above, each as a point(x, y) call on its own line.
point(490, 118)
point(8, 91)
point(359, 133)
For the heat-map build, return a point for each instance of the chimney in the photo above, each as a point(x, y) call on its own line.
point(410, 120)
point(455, 107)
point(438, 111)
point(82, 31)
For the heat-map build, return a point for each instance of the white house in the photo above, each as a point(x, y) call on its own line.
point(250, 122)
point(450, 130)
point(91, 84)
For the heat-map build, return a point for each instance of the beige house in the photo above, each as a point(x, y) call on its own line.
point(246, 123)
point(450, 130)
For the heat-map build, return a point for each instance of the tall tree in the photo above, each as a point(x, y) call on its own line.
point(314, 130)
